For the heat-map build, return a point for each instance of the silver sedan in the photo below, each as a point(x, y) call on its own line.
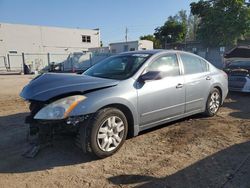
point(123, 95)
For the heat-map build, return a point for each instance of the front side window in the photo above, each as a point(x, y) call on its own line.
point(118, 67)
point(167, 65)
point(192, 64)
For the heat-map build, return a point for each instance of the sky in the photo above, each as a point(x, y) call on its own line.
point(112, 17)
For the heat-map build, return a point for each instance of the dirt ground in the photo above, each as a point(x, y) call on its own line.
point(194, 152)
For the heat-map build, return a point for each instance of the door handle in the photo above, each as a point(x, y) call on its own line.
point(179, 86)
point(208, 78)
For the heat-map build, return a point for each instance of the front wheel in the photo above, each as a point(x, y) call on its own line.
point(213, 103)
point(105, 132)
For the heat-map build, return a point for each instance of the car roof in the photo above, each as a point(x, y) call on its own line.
point(152, 52)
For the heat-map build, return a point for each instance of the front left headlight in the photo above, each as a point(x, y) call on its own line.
point(59, 109)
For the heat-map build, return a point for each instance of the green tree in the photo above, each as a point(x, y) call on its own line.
point(152, 38)
point(173, 30)
point(222, 22)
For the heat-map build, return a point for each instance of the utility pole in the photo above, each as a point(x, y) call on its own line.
point(126, 34)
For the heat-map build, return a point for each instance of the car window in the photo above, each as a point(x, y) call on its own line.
point(118, 67)
point(192, 64)
point(166, 64)
point(204, 65)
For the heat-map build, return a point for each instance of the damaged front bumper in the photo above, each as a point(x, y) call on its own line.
point(69, 124)
point(44, 131)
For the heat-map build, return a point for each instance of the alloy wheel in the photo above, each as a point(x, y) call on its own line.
point(110, 133)
point(215, 102)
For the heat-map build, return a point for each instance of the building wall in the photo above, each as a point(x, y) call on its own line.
point(131, 46)
point(40, 39)
point(145, 45)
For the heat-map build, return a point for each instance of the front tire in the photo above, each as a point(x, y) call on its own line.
point(213, 103)
point(104, 133)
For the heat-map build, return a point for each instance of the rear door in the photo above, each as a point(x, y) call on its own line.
point(197, 82)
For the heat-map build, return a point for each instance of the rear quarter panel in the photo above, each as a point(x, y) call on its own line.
point(219, 79)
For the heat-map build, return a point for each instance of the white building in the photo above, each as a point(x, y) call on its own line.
point(131, 46)
point(35, 42)
point(17, 38)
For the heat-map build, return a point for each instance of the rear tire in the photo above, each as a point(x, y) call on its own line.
point(213, 103)
point(104, 133)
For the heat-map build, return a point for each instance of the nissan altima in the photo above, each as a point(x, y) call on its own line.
point(122, 96)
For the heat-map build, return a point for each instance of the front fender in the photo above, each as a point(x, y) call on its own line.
point(99, 99)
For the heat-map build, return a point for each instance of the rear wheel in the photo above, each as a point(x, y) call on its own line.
point(104, 133)
point(213, 102)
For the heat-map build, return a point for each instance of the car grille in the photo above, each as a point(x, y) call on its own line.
point(238, 79)
point(238, 73)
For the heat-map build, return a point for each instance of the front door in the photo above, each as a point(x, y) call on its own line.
point(159, 100)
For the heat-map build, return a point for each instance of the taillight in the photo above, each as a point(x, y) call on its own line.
point(225, 75)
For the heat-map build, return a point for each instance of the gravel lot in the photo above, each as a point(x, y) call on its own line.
point(194, 152)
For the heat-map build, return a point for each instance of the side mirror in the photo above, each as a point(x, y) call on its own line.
point(151, 75)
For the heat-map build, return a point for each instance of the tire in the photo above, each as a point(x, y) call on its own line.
point(213, 103)
point(104, 133)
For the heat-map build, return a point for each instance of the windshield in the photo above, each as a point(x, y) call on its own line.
point(118, 67)
point(239, 64)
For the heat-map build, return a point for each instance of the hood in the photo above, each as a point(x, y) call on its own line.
point(238, 67)
point(47, 86)
point(238, 52)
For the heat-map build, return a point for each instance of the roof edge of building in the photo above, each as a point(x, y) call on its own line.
point(47, 26)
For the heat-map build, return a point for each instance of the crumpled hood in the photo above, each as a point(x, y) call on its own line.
point(50, 85)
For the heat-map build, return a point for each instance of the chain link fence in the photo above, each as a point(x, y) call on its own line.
point(44, 62)
point(15, 63)
point(35, 62)
point(3, 64)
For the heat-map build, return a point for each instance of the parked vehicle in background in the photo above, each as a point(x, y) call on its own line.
point(76, 62)
point(124, 95)
point(237, 66)
point(238, 75)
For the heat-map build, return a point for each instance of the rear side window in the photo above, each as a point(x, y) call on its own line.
point(166, 64)
point(193, 65)
point(205, 65)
